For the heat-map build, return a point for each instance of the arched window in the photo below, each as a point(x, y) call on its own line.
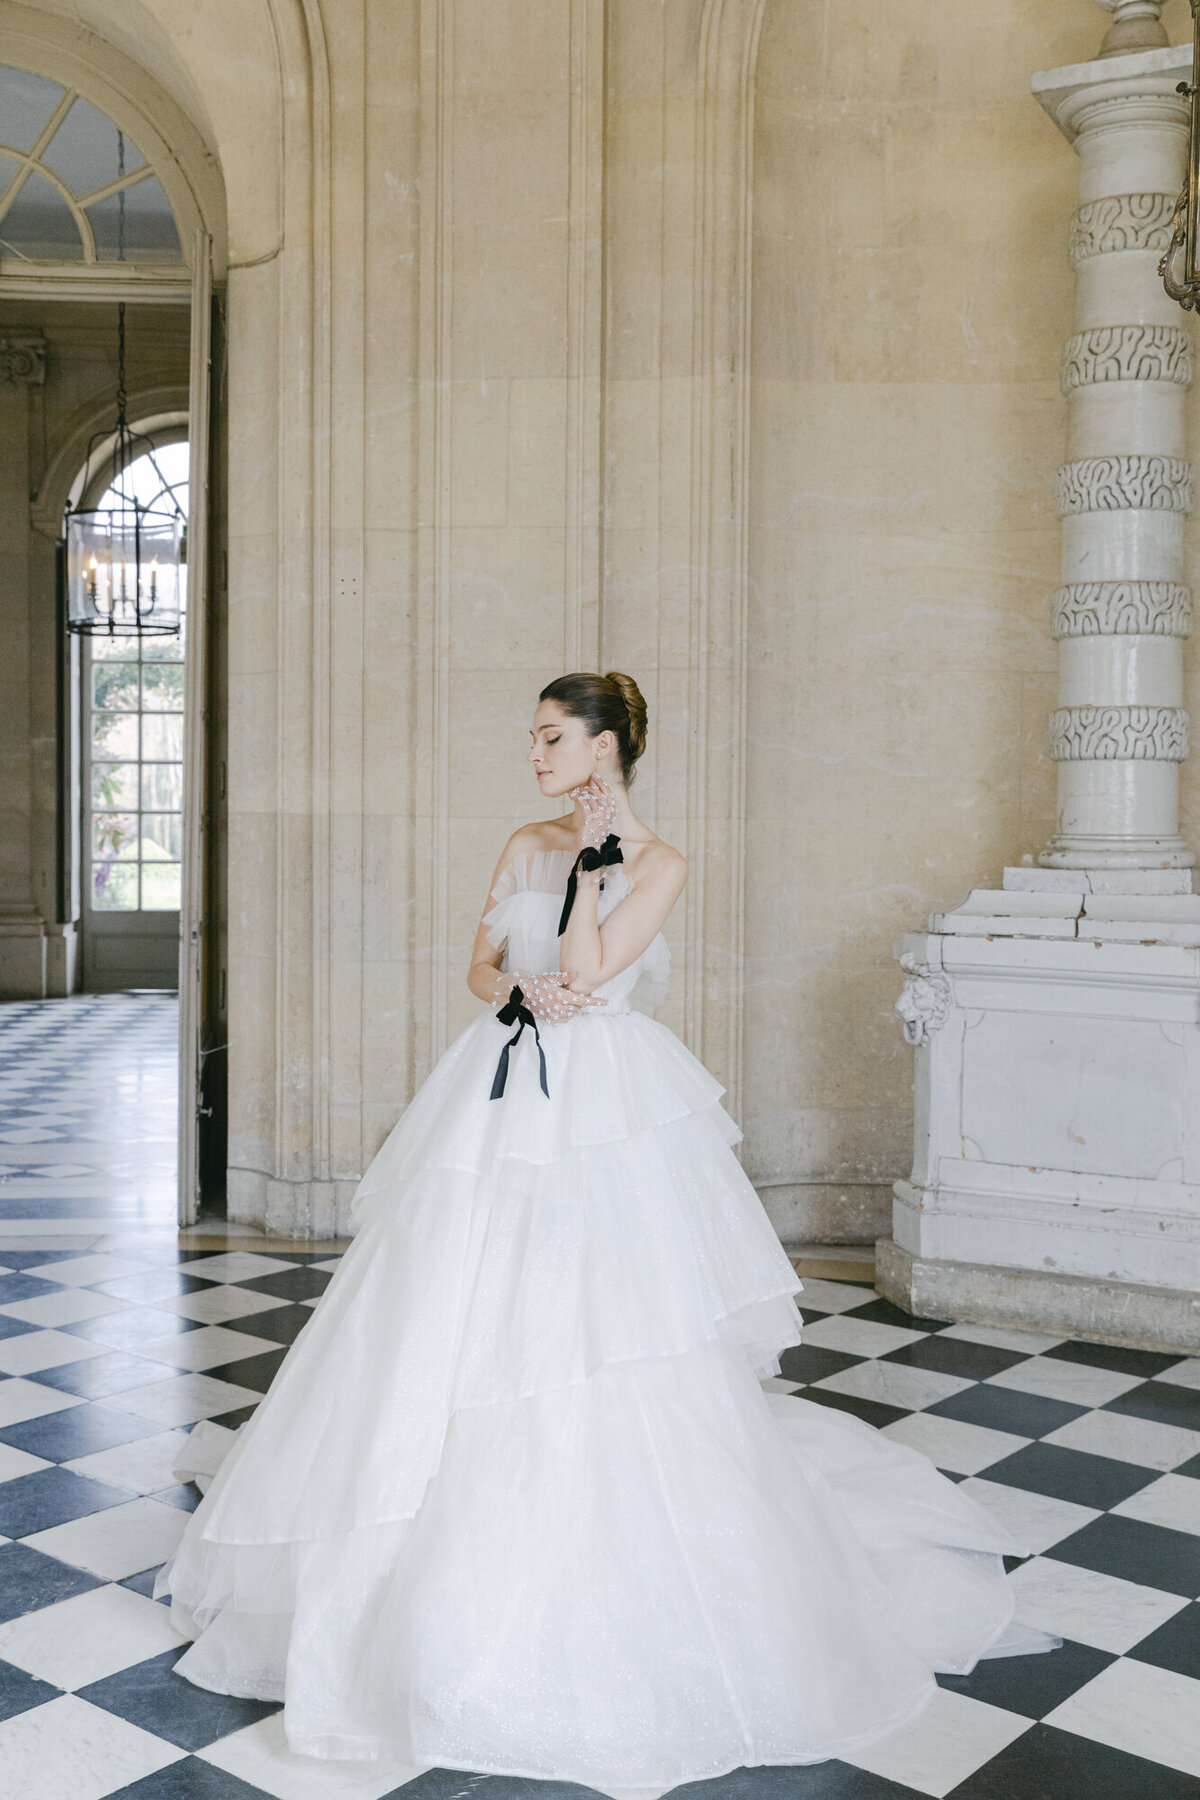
point(74, 188)
point(134, 739)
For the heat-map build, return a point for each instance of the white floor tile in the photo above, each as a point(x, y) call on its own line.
point(1090, 1608)
point(70, 1750)
point(213, 1305)
point(1172, 1500)
point(34, 1350)
point(21, 1400)
point(82, 1271)
point(778, 1384)
point(143, 1467)
point(895, 1385)
point(235, 1265)
point(66, 1308)
point(206, 1348)
point(953, 1444)
point(78, 1641)
point(116, 1542)
point(1001, 1338)
point(859, 1337)
point(15, 1463)
point(951, 1738)
point(1183, 1374)
point(258, 1754)
point(1035, 1520)
point(185, 1398)
point(1147, 1712)
point(1078, 1383)
point(328, 1266)
point(1121, 1436)
point(834, 1296)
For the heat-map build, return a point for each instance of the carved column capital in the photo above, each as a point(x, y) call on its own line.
point(23, 358)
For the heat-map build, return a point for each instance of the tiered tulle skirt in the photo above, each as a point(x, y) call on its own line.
point(516, 1501)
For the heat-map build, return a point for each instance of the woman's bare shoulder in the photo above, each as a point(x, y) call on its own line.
point(661, 861)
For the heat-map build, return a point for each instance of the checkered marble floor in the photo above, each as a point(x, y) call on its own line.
point(112, 1348)
point(87, 1108)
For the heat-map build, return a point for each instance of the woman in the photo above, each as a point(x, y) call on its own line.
point(516, 1501)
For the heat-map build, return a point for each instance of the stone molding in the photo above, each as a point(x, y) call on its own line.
point(1121, 222)
point(1123, 609)
point(1119, 734)
point(1127, 353)
point(1114, 483)
point(925, 1000)
point(23, 358)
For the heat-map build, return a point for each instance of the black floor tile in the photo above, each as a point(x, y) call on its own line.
point(77, 1431)
point(191, 1778)
point(1192, 1468)
point(239, 1415)
point(873, 1411)
point(1146, 1363)
point(956, 1356)
point(29, 1580)
point(813, 1781)
point(153, 1285)
point(31, 1287)
point(1175, 1645)
point(805, 1362)
point(51, 1497)
point(16, 1327)
point(151, 1695)
point(1065, 1474)
point(257, 1372)
point(283, 1325)
point(1151, 1555)
point(186, 1496)
point(1163, 1401)
point(32, 1259)
point(1031, 1685)
point(19, 1691)
point(142, 1582)
point(295, 1284)
point(99, 1377)
point(1007, 1409)
point(1045, 1764)
point(882, 1312)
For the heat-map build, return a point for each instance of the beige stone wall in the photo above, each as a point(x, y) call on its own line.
point(712, 339)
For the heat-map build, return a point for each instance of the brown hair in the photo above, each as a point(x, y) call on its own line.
point(611, 702)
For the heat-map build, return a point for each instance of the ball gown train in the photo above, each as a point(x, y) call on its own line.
point(516, 1501)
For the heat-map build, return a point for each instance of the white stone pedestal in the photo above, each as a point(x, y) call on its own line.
point(1056, 1173)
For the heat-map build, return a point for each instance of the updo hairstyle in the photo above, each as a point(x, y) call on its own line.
point(611, 702)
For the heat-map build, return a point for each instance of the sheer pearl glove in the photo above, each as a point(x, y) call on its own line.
point(547, 995)
point(599, 805)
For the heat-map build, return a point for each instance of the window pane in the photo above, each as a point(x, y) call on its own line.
point(84, 150)
point(149, 224)
point(113, 649)
point(115, 735)
point(115, 784)
point(163, 649)
point(26, 102)
point(40, 224)
point(115, 686)
point(115, 886)
point(162, 837)
point(115, 835)
point(162, 687)
point(162, 737)
point(160, 887)
point(162, 787)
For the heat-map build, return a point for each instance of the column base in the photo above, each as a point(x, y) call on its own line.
point(289, 1209)
point(1117, 853)
point(1109, 1312)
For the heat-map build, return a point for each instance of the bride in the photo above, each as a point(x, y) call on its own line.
point(516, 1501)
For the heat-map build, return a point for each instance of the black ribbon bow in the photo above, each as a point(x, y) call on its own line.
point(589, 858)
point(514, 1008)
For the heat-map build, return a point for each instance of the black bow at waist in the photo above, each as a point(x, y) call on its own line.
point(589, 858)
point(515, 1009)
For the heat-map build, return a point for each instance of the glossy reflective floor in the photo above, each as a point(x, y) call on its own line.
point(117, 1333)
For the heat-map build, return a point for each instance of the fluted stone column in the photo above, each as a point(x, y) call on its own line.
point(1120, 617)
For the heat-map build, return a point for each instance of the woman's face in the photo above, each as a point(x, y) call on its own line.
point(562, 753)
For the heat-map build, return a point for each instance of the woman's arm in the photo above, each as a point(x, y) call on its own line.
point(598, 952)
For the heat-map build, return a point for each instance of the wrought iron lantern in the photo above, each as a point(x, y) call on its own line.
point(126, 561)
point(1180, 268)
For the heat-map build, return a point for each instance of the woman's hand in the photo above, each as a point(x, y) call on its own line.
point(599, 806)
point(549, 995)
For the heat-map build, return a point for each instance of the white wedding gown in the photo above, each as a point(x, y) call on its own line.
point(516, 1501)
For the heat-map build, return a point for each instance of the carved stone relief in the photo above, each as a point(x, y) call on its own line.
point(1110, 483)
point(925, 1000)
point(1119, 734)
point(1123, 609)
point(1127, 353)
point(1121, 222)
